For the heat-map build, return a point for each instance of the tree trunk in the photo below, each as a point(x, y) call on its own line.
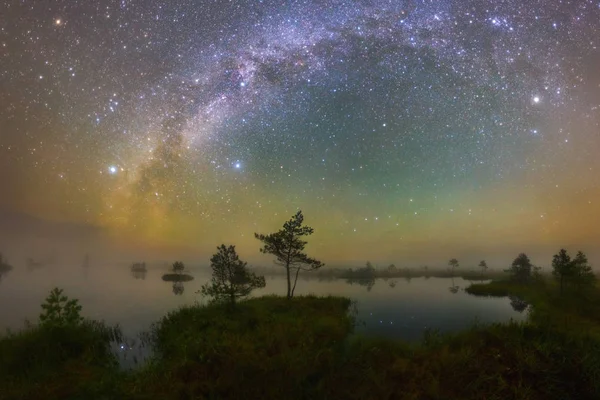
point(295, 281)
point(289, 284)
point(561, 284)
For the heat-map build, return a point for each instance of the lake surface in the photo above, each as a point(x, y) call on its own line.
point(397, 308)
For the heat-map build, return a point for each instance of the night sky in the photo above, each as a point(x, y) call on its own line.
point(403, 129)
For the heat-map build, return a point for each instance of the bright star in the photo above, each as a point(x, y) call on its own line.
point(536, 99)
point(237, 165)
point(112, 169)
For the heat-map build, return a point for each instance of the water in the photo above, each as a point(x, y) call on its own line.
point(395, 308)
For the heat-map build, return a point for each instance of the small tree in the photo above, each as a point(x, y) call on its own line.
point(483, 266)
point(453, 263)
point(178, 267)
point(520, 270)
point(288, 248)
point(562, 267)
point(582, 271)
point(369, 268)
point(231, 279)
point(59, 310)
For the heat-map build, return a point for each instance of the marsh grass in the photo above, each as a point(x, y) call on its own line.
point(57, 361)
point(302, 348)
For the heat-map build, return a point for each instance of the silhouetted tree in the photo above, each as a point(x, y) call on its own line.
point(391, 269)
point(231, 279)
point(178, 288)
point(288, 248)
point(483, 266)
point(369, 269)
point(576, 270)
point(178, 267)
point(520, 270)
point(562, 267)
point(138, 266)
point(583, 274)
point(453, 263)
point(59, 310)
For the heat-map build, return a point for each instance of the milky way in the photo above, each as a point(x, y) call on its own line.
point(397, 126)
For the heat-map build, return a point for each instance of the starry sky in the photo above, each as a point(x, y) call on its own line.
point(405, 130)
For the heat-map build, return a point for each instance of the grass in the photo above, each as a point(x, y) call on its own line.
point(56, 362)
point(273, 348)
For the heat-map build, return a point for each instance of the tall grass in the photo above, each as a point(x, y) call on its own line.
point(57, 361)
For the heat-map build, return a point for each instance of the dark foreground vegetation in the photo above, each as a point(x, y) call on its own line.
point(303, 348)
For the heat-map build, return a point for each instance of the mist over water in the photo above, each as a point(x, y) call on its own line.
point(114, 293)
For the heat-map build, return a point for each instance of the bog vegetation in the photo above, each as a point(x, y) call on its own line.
point(303, 347)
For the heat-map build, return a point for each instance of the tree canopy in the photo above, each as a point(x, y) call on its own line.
point(231, 279)
point(287, 245)
point(576, 270)
point(520, 269)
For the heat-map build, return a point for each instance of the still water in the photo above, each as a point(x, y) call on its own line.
point(401, 308)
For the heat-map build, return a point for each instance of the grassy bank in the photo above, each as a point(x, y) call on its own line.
point(273, 348)
point(575, 311)
point(58, 362)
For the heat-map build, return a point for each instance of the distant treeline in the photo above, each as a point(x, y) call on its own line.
point(371, 272)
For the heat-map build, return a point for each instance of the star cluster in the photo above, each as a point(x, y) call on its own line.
point(397, 126)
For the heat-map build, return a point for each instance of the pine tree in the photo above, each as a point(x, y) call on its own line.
point(582, 271)
point(562, 267)
point(231, 279)
point(520, 270)
point(288, 248)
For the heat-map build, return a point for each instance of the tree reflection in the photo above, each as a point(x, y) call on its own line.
point(392, 284)
point(139, 270)
point(178, 288)
point(366, 282)
point(139, 274)
point(177, 277)
point(5, 267)
point(454, 288)
point(3, 273)
point(518, 304)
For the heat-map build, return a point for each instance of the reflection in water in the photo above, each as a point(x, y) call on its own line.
point(3, 273)
point(518, 304)
point(454, 288)
point(139, 270)
point(366, 282)
point(5, 267)
point(137, 274)
point(395, 309)
point(177, 277)
point(178, 288)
